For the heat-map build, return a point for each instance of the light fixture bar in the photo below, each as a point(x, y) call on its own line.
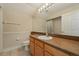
point(45, 7)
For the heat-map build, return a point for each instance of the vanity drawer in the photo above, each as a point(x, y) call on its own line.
point(39, 43)
point(54, 51)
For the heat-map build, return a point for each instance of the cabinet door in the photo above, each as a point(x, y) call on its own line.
point(54, 51)
point(38, 51)
point(32, 48)
point(39, 43)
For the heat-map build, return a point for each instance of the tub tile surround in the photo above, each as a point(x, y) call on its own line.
point(12, 39)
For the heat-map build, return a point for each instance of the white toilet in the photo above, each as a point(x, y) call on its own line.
point(25, 45)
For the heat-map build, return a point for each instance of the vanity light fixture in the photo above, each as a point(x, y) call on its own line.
point(45, 7)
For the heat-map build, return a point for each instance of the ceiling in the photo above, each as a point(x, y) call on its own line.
point(28, 8)
point(32, 8)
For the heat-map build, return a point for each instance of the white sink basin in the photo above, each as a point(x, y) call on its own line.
point(44, 37)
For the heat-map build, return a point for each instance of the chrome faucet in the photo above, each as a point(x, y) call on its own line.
point(46, 33)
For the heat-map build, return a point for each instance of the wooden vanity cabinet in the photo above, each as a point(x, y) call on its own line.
point(32, 46)
point(39, 48)
point(38, 51)
point(36, 47)
point(46, 53)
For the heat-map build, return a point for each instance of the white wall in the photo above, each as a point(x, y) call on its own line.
point(39, 24)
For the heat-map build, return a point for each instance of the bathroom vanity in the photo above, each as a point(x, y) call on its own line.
point(57, 46)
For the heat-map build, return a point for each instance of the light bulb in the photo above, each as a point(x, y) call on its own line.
point(39, 10)
point(43, 6)
point(47, 4)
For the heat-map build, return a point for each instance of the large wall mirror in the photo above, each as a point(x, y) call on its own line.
point(54, 25)
point(66, 24)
